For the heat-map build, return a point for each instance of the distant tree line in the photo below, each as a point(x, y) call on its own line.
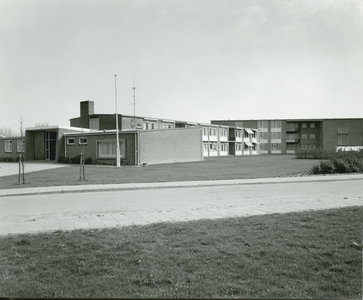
point(7, 132)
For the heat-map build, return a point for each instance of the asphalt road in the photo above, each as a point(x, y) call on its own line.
point(118, 208)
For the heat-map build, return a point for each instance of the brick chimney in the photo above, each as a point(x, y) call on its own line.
point(87, 109)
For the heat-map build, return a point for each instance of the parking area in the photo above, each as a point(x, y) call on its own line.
point(12, 168)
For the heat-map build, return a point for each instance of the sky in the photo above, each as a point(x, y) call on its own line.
point(190, 60)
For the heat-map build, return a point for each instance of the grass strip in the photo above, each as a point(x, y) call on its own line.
point(218, 168)
point(295, 255)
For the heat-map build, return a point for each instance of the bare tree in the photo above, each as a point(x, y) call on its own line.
point(21, 178)
point(7, 131)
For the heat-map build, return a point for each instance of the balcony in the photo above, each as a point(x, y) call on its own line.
point(292, 141)
point(292, 127)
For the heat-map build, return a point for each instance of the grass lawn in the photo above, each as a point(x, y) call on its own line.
point(219, 168)
point(295, 255)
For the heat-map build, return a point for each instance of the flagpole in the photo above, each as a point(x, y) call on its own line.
point(117, 137)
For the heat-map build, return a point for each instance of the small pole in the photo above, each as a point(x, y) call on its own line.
point(19, 168)
point(84, 174)
point(80, 168)
point(23, 167)
point(117, 137)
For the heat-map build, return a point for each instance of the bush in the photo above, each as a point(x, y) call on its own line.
point(88, 161)
point(348, 162)
point(314, 154)
point(341, 165)
point(75, 159)
point(63, 160)
point(326, 167)
point(125, 162)
point(315, 170)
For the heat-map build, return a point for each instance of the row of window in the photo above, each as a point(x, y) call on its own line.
point(106, 149)
point(277, 146)
point(213, 132)
point(81, 141)
point(277, 124)
point(223, 132)
point(9, 146)
point(305, 125)
point(264, 124)
point(224, 147)
point(277, 135)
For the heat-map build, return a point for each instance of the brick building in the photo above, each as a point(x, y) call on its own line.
point(289, 135)
point(142, 139)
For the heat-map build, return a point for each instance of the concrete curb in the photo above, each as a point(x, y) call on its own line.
point(161, 185)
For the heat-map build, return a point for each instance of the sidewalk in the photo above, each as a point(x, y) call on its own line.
point(158, 185)
point(256, 205)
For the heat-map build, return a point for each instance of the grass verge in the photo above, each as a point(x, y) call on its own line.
point(219, 168)
point(295, 255)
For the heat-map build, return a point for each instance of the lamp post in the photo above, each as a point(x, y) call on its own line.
point(117, 137)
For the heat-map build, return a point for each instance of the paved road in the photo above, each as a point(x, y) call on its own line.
point(21, 214)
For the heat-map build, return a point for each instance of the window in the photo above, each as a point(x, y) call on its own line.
point(205, 146)
point(246, 134)
point(276, 146)
point(304, 136)
point(290, 147)
point(213, 146)
point(312, 125)
point(205, 131)
point(238, 147)
point(223, 132)
point(312, 146)
point(263, 146)
point(20, 146)
point(107, 149)
point(263, 135)
point(8, 146)
point(343, 141)
point(304, 147)
point(82, 141)
point(238, 133)
point(70, 141)
point(150, 125)
point(261, 124)
point(275, 124)
point(303, 125)
point(224, 147)
point(212, 132)
point(275, 135)
point(343, 129)
point(312, 136)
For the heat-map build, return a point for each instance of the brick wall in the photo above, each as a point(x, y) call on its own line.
point(331, 135)
point(90, 150)
point(171, 145)
point(14, 153)
point(308, 131)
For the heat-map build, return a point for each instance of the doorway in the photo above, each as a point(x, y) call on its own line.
point(50, 145)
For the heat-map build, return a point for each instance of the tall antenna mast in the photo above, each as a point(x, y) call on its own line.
point(134, 95)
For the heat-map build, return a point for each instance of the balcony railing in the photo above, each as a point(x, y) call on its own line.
point(292, 141)
point(292, 129)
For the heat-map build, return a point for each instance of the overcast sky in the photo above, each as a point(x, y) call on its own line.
point(195, 60)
